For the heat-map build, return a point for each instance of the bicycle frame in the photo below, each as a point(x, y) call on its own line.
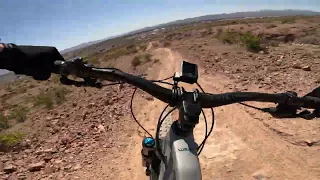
point(180, 156)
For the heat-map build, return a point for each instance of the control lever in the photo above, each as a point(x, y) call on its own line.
point(88, 82)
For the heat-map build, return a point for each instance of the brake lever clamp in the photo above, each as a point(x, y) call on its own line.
point(91, 82)
point(75, 66)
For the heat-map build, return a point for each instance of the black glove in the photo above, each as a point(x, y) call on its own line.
point(35, 61)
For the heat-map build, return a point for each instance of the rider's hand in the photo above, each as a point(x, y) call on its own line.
point(35, 61)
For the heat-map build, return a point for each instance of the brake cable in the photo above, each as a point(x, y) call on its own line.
point(160, 121)
point(131, 102)
point(201, 146)
point(254, 107)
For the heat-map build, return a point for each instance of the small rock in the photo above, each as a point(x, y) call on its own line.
point(260, 175)
point(150, 98)
point(81, 144)
point(101, 128)
point(21, 176)
point(90, 105)
point(58, 161)
point(306, 68)
point(281, 57)
point(47, 157)
point(309, 143)
point(66, 168)
point(9, 169)
point(77, 167)
point(65, 140)
point(36, 166)
point(48, 151)
point(261, 52)
point(49, 169)
point(296, 66)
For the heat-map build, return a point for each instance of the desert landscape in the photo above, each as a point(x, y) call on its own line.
point(52, 131)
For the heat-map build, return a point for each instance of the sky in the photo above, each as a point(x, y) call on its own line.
point(66, 23)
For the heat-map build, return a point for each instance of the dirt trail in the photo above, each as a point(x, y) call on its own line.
point(241, 147)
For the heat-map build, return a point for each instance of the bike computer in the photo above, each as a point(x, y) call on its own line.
point(188, 74)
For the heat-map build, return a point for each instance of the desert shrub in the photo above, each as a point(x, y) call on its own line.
point(233, 22)
point(43, 99)
point(269, 26)
point(203, 33)
point(251, 41)
point(219, 32)
point(273, 43)
point(93, 60)
point(3, 121)
point(19, 113)
point(9, 140)
point(47, 99)
point(143, 47)
point(166, 44)
point(147, 57)
point(136, 61)
point(131, 46)
point(59, 94)
point(121, 52)
point(288, 20)
point(155, 44)
point(313, 39)
point(229, 37)
point(55, 78)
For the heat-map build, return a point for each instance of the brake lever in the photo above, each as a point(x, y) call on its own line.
point(88, 82)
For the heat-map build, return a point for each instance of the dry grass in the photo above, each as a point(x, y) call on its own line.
point(59, 94)
point(19, 113)
point(156, 60)
point(166, 44)
point(9, 140)
point(143, 47)
point(312, 39)
point(43, 99)
point(248, 39)
point(270, 26)
point(136, 61)
point(47, 99)
point(93, 60)
point(116, 53)
point(3, 121)
point(288, 20)
point(147, 57)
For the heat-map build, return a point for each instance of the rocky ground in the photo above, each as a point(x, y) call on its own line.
point(92, 135)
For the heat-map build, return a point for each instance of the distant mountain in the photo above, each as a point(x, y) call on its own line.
point(83, 45)
point(250, 14)
point(6, 78)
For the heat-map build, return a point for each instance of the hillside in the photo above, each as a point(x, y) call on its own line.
point(251, 14)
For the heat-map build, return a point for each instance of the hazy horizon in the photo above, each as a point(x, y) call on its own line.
point(67, 23)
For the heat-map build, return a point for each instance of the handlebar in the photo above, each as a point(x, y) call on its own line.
point(78, 68)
